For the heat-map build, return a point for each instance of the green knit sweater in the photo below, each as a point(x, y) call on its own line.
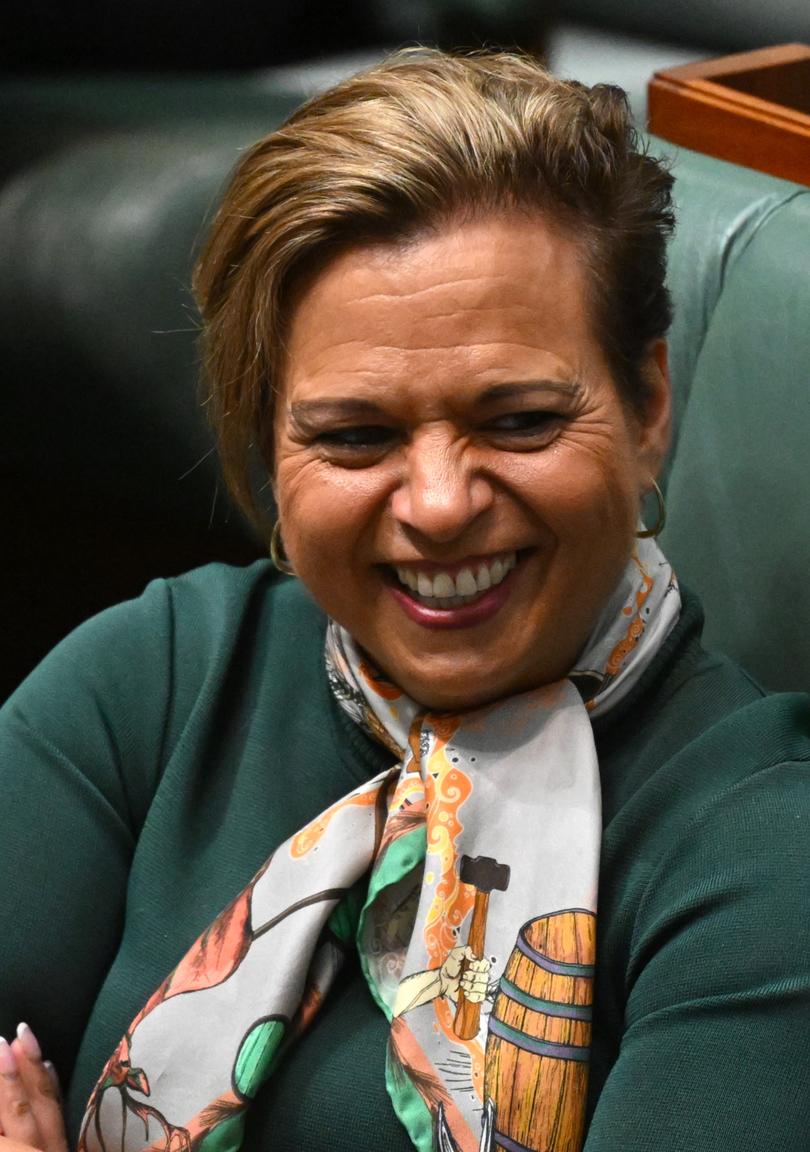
point(159, 754)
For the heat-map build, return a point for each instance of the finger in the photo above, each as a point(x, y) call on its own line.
point(471, 982)
point(473, 995)
point(474, 989)
point(479, 965)
point(54, 1075)
point(478, 978)
point(16, 1116)
point(42, 1086)
point(9, 1145)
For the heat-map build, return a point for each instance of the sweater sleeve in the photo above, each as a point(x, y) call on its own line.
point(715, 1053)
point(80, 752)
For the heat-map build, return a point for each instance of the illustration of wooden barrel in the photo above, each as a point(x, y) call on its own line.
point(538, 1042)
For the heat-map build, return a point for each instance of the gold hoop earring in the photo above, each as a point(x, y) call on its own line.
point(658, 527)
point(277, 553)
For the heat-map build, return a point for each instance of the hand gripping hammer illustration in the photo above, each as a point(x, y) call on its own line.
point(486, 875)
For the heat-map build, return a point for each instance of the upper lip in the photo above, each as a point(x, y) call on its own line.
point(453, 567)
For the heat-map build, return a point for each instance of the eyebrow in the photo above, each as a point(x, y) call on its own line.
point(353, 407)
point(348, 408)
point(513, 391)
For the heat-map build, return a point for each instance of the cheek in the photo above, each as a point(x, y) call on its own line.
point(325, 512)
point(586, 492)
point(296, 488)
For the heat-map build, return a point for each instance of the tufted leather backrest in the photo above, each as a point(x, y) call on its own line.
point(720, 208)
point(106, 462)
point(739, 487)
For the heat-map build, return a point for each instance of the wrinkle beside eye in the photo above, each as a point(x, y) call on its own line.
point(597, 438)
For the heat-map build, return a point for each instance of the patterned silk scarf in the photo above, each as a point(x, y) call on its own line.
point(467, 875)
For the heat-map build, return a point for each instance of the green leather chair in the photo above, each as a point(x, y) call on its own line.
point(739, 485)
point(107, 465)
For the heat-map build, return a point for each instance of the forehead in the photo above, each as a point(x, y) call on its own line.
point(485, 293)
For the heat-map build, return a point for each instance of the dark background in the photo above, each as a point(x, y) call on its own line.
point(199, 35)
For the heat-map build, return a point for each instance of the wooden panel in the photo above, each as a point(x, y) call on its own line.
point(752, 108)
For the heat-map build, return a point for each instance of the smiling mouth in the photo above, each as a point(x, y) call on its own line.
point(445, 589)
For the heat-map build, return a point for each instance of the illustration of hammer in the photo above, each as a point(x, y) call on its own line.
point(485, 875)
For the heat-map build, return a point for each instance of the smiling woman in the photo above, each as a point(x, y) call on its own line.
point(434, 321)
point(446, 408)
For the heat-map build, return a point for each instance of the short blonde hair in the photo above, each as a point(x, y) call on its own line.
point(421, 138)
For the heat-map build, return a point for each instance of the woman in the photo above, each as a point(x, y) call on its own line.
point(435, 314)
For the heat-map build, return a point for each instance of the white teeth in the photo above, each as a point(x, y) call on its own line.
point(465, 583)
point(443, 585)
point(424, 585)
point(443, 591)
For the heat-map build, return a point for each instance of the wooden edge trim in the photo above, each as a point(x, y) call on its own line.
point(710, 94)
point(754, 61)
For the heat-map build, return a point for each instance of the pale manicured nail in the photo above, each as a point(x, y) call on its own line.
point(28, 1042)
point(54, 1076)
point(8, 1065)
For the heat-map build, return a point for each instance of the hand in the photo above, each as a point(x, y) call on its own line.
point(30, 1111)
point(462, 970)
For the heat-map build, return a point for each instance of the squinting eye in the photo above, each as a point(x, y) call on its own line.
point(525, 424)
point(366, 436)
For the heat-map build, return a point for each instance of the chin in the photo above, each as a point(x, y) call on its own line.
point(452, 690)
point(442, 700)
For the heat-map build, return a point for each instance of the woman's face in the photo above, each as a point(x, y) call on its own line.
point(457, 479)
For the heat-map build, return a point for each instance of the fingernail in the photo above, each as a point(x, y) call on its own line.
point(8, 1065)
point(49, 1068)
point(28, 1042)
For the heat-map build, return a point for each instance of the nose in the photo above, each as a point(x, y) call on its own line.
point(441, 492)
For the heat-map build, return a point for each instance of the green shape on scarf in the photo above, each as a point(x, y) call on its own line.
point(256, 1055)
point(226, 1137)
point(409, 1105)
point(346, 916)
point(402, 856)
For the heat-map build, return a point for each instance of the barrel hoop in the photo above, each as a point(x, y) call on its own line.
point(550, 1007)
point(557, 966)
point(538, 1047)
point(509, 1144)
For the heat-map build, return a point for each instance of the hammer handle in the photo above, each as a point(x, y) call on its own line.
point(468, 1016)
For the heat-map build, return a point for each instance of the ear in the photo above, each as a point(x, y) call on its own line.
point(655, 422)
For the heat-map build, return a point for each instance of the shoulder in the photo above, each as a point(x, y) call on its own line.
point(126, 685)
point(705, 885)
point(706, 797)
point(704, 882)
point(697, 725)
point(210, 602)
point(190, 619)
point(706, 826)
point(218, 608)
